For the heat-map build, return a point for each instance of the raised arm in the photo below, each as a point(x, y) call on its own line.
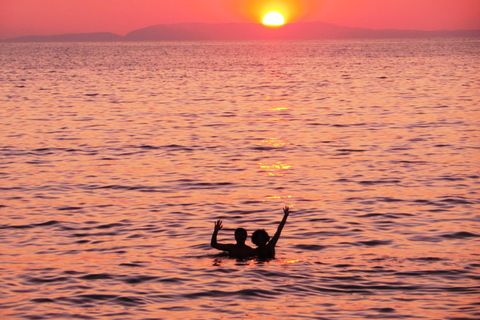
point(275, 238)
point(213, 243)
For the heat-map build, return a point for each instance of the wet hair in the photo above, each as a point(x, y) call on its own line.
point(240, 235)
point(256, 235)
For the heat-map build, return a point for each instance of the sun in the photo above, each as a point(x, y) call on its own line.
point(274, 19)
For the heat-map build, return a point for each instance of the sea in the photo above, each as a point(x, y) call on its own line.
point(116, 159)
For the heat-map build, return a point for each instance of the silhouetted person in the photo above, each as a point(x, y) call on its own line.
point(239, 250)
point(266, 247)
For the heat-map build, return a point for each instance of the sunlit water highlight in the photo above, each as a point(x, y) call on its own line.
point(116, 159)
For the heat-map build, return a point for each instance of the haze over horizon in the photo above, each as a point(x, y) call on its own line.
point(49, 17)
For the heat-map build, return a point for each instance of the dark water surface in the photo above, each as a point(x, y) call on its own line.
point(116, 159)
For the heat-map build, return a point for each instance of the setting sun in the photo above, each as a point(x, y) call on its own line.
point(274, 19)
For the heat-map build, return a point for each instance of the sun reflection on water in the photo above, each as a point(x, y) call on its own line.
point(290, 261)
point(278, 109)
point(279, 197)
point(273, 142)
point(278, 169)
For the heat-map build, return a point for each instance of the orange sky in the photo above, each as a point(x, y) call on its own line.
point(43, 17)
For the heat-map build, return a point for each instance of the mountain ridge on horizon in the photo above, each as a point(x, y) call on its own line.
point(200, 31)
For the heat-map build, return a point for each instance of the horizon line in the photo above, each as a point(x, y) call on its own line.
point(12, 39)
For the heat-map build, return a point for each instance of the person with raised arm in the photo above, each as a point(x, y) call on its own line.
point(239, 250)
point(266, 247)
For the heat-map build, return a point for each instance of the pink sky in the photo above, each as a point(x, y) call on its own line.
point(45, 17)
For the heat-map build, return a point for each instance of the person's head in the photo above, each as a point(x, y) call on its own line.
point(240, 235)
point(260, 237)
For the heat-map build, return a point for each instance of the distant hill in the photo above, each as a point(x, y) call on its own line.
point(72, 37)
point(292, 31)
point(246, 31)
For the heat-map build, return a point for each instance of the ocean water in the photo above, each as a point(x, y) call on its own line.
point(116, 159)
